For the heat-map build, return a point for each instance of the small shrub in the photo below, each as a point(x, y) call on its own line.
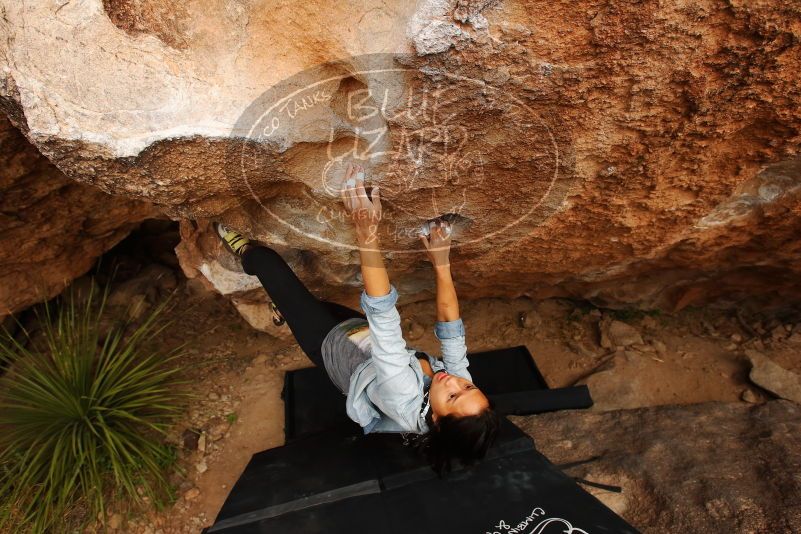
point(83, 417)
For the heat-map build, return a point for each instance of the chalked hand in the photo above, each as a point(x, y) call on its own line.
point(364, 211)
point(438, 242)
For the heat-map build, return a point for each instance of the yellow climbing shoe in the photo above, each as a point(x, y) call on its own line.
point(234, 241)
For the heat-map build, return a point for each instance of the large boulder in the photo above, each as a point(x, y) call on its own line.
point(713, 467)
point(52, 229)
point(629, 153)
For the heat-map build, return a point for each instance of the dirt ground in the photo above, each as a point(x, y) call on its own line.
point(237, 375)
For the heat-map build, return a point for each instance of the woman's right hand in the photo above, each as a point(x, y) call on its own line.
point(364, 212)
point(438, 243)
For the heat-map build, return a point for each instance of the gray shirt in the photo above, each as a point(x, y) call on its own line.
point(342, 356)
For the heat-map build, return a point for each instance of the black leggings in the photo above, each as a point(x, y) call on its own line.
point(309, 318)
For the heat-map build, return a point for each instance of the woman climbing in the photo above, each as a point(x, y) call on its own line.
point(389, 387)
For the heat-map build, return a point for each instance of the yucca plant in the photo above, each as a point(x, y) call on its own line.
point(83, 413)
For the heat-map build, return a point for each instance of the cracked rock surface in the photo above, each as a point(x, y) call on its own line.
point(53, 228)
point(633, 154)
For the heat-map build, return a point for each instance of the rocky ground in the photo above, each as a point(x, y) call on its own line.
point(668, 373)
point(711, 467)
point(630, 359)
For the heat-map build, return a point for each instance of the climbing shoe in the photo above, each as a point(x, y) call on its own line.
point(278, 319)
point(234, 241)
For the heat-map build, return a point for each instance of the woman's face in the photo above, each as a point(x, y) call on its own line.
point(450, 394)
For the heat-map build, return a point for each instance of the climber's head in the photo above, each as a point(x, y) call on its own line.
point(462, 422)
point(454, 395)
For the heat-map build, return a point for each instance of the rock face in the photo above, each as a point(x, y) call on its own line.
point(203, 258)
point(715, 467)
point(53, 228)
point(774, 378)
point(641, 154)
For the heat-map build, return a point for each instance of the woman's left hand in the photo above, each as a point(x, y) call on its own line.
point(364, 212)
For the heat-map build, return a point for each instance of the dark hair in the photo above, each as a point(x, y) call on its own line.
point(466, 438)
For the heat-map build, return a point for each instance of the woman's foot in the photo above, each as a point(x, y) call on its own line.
point(238, 244)
point(278, 319)
point(234, 241)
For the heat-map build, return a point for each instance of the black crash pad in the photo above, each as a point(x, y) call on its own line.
point(331, 478)
point(336, 482)
point(509, 376)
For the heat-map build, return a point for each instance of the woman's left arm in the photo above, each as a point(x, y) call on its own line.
point(395, 379)
point(365, 213)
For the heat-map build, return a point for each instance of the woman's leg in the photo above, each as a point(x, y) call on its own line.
point(309, 318)
point(342, 312)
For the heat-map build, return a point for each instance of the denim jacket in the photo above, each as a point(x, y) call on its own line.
point(386, 391)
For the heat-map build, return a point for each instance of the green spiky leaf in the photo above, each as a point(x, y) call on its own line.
point(83, 416)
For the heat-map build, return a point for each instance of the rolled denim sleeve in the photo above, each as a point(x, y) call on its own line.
point(449, 329)
point(451, 335)
point(384, 303)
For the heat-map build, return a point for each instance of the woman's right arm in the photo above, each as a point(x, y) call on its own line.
point(449, 328)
